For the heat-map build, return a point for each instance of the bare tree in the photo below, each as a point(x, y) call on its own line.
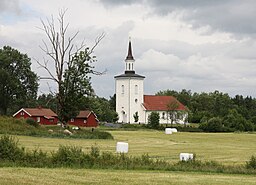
point(68, 59)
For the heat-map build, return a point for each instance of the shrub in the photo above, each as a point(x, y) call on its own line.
point(251, 163)
point(67, 156)
point(32, 122)
point(9, 149)
point(95, 152)
point(213, 125)
point(153, 120)
point(36, 158)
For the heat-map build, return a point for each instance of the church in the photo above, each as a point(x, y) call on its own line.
point(133, 106)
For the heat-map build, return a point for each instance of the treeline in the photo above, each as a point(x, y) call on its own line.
point(217, 111)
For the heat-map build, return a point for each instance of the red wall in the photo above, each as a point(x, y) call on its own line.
point(90, 122)
point(43, 120)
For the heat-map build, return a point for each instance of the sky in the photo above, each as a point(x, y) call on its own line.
point(196, 45)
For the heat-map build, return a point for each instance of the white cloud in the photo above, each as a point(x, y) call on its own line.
point(176, 45)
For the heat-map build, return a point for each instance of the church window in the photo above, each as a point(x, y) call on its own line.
point(122, 89)
point(136, 100)
point(163, 115)
point(129, 66)
point(132, 66)
point(136, 89)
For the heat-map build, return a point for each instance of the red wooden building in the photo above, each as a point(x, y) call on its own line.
point(85, 119)
point(40, 115)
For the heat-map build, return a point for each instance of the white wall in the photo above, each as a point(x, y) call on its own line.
point(125, 101)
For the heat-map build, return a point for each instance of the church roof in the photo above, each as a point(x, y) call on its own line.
point(129, 56)
point(160, 103)
point(129, 75)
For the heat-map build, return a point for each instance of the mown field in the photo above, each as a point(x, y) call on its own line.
point(29, 176)
point(226, 148)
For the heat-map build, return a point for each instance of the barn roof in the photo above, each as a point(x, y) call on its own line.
point(48, 113)
point(84, 114)
point(159, 103)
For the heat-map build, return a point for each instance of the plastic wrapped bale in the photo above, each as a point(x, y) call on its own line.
point(186, 156)
point(174, 130)
point(168, 131)
point(122, 147)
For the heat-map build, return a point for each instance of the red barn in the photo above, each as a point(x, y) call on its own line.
point(40, 115)
point(85, 119)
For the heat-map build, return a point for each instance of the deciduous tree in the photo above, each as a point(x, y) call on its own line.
point(18, 83)
point(72, 64)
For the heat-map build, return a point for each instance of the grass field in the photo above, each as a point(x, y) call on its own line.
point(28, 176)
point(227, 148)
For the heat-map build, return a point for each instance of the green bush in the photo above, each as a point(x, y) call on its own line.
point(153, 120)
point(9, 149)
point(32, 122)
point(251, 163)
point(213, 125)
point(36, 158)
point(68, 156)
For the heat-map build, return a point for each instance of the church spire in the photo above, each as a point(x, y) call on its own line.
point(129, 61)
point(129, 56)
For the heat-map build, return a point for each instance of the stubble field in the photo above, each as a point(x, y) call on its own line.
point(225, 148)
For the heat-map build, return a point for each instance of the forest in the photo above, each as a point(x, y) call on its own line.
point(218, 111)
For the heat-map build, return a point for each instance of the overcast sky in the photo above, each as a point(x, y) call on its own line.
point(196, 45)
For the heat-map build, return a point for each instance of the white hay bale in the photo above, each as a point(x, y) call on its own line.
point(186, 156)
point(122, 147)
point(174, 130)
point(168, 131)
point(75, 128)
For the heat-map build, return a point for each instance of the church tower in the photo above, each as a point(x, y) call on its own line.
point(129, 92)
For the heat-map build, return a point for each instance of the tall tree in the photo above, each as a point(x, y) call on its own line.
point(18, 83)
point(72, 65)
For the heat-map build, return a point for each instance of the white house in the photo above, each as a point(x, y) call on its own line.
point(131, 101)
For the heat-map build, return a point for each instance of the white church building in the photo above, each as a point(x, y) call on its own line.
point(131, 101)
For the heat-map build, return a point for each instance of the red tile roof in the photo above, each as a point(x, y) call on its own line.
point(159, 103)
point(40, 112)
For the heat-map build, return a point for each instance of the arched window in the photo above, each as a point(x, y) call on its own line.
point(163, 115)
point(129, 66)
point(122, 89)
point(136, 89)
point(132, 66)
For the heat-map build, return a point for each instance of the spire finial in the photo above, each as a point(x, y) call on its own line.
point(129, 56)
